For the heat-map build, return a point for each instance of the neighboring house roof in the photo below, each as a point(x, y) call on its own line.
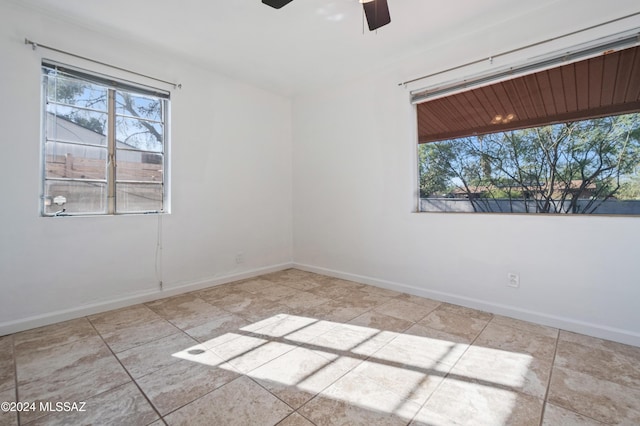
point(63, 129)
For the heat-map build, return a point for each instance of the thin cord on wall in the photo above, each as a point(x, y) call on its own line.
point(159, 252)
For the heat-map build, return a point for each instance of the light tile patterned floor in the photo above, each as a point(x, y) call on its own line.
point(294, 348)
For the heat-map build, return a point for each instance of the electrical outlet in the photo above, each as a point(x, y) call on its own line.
point(513, 280)
point(239, 258)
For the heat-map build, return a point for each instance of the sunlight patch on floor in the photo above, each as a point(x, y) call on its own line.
point(376, 370)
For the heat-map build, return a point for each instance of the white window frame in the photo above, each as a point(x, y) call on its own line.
point(51, 205)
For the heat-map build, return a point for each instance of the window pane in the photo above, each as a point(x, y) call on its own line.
point(138, 197)
point(139, 106)
point(76, 125)
point(65, 160)
point(139, 134)
point(139, 166)
point(75, 197)
point(581, 167)
point(75, 92)
point(103, 139)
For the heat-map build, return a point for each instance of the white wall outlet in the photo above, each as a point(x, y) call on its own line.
point(513, 280)
point(239, 258)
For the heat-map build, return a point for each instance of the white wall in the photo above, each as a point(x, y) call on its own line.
point(230, 186)
point(355, 196)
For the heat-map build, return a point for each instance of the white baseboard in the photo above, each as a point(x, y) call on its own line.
point(569, 324)
point(22, 324)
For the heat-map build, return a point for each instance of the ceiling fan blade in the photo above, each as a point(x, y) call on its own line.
point(276, 4)
point(377, 12)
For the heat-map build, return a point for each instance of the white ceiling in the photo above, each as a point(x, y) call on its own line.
point(299, 47)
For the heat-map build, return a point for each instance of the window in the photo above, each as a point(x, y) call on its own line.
point(104, 145)
point(561, 140)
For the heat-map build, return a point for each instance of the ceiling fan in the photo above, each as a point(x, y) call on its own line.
point(377, 11)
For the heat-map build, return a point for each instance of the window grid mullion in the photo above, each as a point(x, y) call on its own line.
point(111, 163)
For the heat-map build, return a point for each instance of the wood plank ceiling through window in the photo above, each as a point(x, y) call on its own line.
point(608, 84)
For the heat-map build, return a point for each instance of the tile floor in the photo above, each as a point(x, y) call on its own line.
point(294, 348)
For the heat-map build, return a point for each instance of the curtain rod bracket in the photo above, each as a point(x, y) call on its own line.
point(34, 46)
